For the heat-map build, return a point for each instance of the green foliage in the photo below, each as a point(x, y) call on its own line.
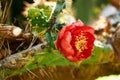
point(100, 3)
point(48, 57)
point(53, 26)
point(50, 40)
point(41, 19)
point(100, 54)
point(38, 20)
point(88, 9)
point(84, 9)
point(47, 10)
point(37, 17)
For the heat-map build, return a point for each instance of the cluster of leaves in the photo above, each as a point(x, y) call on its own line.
point(37, 19)
point(48, 57)
point(45, 22)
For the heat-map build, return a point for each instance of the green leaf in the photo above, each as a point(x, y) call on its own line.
point(33, 12)
point(84, 9)
point(50, 40)
point(37, 17)
point(38, 20)
point(47, 10)
point(48, 57)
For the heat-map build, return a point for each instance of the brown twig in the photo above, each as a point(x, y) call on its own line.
point(18, 60)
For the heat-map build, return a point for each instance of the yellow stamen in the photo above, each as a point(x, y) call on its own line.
point(81, 42)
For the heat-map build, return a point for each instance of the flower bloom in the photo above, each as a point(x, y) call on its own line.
point(76, 41)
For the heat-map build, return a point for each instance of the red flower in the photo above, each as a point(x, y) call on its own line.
point(75, 41)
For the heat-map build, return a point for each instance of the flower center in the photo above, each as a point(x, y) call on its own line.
point(81, 42)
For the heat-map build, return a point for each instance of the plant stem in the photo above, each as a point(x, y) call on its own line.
point(53, 18)
point(18, 60)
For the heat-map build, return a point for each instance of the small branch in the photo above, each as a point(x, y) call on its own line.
point(19, 59)
point(59, 6)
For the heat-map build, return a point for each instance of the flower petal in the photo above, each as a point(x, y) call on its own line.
point(72, 58)
point(78, 23)
point(83, 29)
point(61, 33)
point(88, 29)
point(74, 25)
point(65, 44)
point(58, 44)
point(90, 43)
